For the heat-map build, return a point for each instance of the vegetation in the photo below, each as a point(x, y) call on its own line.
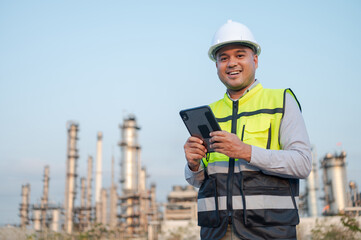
point(349, 229)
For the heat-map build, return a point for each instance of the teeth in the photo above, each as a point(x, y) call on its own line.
point(233, 73)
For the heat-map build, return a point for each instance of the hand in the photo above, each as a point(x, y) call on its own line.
point(194, 150)
point(230, 145)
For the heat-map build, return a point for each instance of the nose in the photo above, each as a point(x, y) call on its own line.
point(232, 62)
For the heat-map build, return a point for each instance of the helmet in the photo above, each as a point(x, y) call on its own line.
point(233, 32)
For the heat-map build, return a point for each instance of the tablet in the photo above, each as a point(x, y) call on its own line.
point(200, 122)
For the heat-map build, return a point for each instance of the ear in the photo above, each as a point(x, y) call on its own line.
point(255, 59)
point(216, 64)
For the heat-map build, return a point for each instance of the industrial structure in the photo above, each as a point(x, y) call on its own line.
point(70, 186)
point(180, 213)
point(88, 203)
point(138, 208)
point(24, 206)
point(43, 215)
point(134, 213)
point(182, 204)
point(130, 209)
point(334, 183)
point(339, 196)
point(98, 179)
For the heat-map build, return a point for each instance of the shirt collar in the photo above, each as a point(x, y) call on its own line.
point(255, 83)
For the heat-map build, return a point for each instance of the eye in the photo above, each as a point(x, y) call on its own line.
point(222, 59)
point(240, 55)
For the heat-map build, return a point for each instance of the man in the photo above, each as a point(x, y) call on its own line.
point(249, 186)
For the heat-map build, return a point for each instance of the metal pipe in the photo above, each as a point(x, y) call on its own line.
point(70, 187)
point(98, 178)
point(98, 168)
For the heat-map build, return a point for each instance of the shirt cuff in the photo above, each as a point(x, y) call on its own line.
point(194, 178)
point(189, 172)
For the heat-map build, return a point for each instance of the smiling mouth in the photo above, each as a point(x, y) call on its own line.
point(234, 72)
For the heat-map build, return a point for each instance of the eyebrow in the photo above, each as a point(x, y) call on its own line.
point(240, 50)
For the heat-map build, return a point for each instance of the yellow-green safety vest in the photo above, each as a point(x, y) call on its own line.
point(258, 206)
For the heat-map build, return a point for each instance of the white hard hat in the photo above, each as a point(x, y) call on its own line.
point(233, 32)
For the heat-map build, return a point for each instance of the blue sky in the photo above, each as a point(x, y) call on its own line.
point(95, 62)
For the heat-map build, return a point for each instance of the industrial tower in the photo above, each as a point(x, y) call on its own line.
point(335, 183)
point(98, 179)
point(138, 210)
point(70, 187)
point(24, 206)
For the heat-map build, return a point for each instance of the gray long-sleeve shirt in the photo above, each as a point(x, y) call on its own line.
point(294, 160)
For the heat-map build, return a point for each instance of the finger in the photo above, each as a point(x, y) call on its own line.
point(216, 139)
point(194, 145)
point(195, 139)
point(215, 133)
point(216, 146)
point(199, 151)
point(194, 158)
point(219, 138)
point(195, 148)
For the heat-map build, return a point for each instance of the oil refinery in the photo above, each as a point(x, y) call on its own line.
point(338, 196)
point(130, 209)
point(134, 212)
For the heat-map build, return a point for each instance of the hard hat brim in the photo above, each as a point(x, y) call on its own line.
point(213, 49)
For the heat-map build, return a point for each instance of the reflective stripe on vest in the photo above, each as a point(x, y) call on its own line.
point(252, 202)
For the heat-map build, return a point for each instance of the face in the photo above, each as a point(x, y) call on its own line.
point(236, 67)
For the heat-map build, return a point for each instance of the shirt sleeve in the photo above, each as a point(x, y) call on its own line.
point(294, 160)
point(194, 178)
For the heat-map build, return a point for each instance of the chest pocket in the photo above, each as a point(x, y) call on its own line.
point(257, 132)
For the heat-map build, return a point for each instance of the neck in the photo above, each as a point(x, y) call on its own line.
point(237, 94)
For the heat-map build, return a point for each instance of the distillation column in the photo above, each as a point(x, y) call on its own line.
point(98, 178)
point(70, 187)
point(24, 206)
point(129, 159)
point(45, 198)
point(335, 182)
point(312, 188)
point(130, 166)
